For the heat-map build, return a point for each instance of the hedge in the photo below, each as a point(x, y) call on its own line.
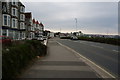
point(17, 57)
point(113, 41)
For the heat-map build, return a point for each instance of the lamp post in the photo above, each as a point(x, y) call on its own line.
point(76, 23)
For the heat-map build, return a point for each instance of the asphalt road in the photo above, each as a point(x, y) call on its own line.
point(104, 55)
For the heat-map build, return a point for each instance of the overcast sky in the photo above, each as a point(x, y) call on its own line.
point(92, 17)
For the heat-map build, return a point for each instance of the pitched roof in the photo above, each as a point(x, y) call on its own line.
point(34, 21)
point(41, 24)
point(37, 22)
point(28, 15)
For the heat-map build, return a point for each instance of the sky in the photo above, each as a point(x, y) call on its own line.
point(92, 17)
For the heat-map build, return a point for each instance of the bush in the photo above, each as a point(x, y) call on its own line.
point(18, 56)
point(101, 40)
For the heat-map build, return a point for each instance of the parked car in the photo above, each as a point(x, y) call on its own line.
point(40, 38)
point(5, 39)
point(44, 37)
point(74, 38)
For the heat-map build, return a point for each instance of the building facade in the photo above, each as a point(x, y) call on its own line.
point(0, 18)
point(21, 21)
point(17, 24)
point(29, 27)
point(13, 19)
point(38, 29)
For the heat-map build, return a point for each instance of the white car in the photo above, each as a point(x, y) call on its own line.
point(40, 38)
point(74, 38)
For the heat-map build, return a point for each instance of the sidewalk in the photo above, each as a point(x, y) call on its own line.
point(59, 63)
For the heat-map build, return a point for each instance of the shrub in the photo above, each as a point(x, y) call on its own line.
point(101, 40)
point(19, 55)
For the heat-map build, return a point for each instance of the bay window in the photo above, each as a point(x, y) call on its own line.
point(6, 20)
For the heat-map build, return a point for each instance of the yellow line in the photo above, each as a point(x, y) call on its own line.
point(88, 60)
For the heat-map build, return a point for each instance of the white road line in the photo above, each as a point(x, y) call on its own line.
point(87, 60)
point(115, 51)
point(97, 46)
point(75, 41)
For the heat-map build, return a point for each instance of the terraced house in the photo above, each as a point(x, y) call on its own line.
point(38, 28)
point(29, 27)
point(13, 20)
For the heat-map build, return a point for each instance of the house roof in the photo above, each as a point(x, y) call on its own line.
point(37, 22)
point(28, 15)
point(21, 4)
point(34, 21)
point(41, 24)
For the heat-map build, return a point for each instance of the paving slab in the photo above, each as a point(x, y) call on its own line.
point(59, 63)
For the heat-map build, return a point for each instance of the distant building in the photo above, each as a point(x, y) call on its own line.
point(46, 33)
point(29, 27)
point(39, 28)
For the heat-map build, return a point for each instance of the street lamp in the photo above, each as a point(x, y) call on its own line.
point(76, 23)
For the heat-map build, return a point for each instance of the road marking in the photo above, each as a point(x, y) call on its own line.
point(75, 41)
point(115, 51)
point(97, 46)
point(111, 76)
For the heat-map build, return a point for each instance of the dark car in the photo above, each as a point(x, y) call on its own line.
point(5, 39)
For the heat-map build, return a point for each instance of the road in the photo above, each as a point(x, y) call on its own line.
point(104, 55)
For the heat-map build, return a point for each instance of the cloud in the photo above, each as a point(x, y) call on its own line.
point(92, 16)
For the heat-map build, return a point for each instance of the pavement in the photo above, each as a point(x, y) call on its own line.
point(60, 62)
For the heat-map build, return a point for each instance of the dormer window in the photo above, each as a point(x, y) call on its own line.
point(15, 2)
point(22, 9)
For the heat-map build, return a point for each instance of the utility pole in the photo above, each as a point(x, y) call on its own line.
point(60, 29)
point(76, 23)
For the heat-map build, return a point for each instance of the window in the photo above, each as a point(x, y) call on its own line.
point(14, 11)
point(14, 23)
point(6, 20)
point(15, 2)
point(4, 32)
point(22, 9)
point(22, 17)
point(4, 7)
point(22, 25)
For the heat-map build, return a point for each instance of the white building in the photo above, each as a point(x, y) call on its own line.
point(13, 19)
